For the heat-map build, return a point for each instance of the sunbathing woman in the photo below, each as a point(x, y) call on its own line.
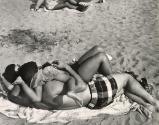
point(101, 88)
point(60, 4)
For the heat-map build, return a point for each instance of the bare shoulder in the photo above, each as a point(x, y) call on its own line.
point(53, 87)
point(62, 76)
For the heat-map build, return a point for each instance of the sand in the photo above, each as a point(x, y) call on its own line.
point(127, 29)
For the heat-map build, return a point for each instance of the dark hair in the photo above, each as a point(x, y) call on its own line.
point(45, 65)
point(10, 74)
point(27, 71)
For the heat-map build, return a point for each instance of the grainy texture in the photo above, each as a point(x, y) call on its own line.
point(127, 29)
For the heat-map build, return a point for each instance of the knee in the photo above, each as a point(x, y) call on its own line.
point(98, 49)
point(101, 56)
point(127, 76)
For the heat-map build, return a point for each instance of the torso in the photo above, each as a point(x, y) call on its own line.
point(53, 88)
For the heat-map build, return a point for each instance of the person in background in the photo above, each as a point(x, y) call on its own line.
point(60, 4)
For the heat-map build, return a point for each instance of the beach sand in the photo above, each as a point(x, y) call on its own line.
point(127, 29)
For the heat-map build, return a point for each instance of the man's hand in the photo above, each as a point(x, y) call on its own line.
point(18, 81)
point(59, 64)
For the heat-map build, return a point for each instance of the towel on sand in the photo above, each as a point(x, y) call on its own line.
point(120, 106)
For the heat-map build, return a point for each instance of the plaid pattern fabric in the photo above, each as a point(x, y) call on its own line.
point(103, 89)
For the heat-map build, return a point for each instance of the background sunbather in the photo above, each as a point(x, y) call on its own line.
point(57, 4)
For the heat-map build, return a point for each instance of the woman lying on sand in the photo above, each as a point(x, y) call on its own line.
point(60, 4)
point(99, 87)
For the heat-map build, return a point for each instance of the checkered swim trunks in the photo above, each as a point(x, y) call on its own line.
point(103, 90)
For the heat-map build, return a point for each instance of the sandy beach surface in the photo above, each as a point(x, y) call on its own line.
point(127, 29)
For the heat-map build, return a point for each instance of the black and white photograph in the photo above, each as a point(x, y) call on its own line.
point(79, 62)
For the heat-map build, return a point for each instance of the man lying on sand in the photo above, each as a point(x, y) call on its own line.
point(100, 85)
point(60, 4)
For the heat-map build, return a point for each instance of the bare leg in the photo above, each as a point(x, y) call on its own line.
point(136, 98)
point(140, 101)
point(94, 64)
point(93, 51)
point(135, 90)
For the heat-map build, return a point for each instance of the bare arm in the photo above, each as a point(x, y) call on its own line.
point(14, 96)
point(13, 89)
point(26, 102)
point(34, 96)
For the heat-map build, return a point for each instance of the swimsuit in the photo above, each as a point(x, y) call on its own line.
point(103, 90)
